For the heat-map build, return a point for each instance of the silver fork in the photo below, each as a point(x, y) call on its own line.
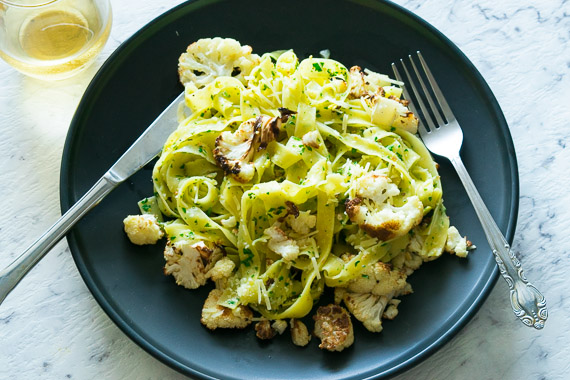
point(444, 138)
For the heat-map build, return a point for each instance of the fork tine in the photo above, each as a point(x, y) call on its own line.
point(423, 130)
point(407, 96)
point(427, 94)
point(425, 112)
point(438, 94)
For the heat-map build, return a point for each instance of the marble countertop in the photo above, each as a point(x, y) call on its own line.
point(52, 328)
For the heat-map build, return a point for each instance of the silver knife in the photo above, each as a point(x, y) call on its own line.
point(147, 146)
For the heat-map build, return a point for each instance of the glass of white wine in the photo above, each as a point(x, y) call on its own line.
point(53, 39)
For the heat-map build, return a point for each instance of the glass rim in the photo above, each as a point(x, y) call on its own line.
point(18, 3)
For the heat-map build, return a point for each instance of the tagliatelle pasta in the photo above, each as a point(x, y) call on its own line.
point(301, 175)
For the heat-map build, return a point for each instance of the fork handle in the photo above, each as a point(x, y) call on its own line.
point(528, 304)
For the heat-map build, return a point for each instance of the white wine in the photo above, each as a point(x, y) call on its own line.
point(58, 41)
point(55, 34)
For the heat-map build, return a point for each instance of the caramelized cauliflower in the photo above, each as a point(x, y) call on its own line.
point(357, 84)
point(210, 58)
point(387, 111)
point(143, 229)
point(369, 297)
point(234, 151)
point(373, 213)
point(189, 262)
point(334, 327)
point(263, 330)
point(299, 333)
point(216, 316)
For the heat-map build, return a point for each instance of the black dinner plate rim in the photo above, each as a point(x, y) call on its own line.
point(66, 199)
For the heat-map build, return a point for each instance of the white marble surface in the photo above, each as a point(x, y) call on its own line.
point(52, 328)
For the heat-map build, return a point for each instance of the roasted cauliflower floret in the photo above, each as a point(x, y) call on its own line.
point(412, 262)
point(365, 84)
point(357, 83)
point(279, 326)
point(281, 244)
point(221, 271)
point(143, 229)
point(391, 311)
point(234, 151)
point(386, 111)
point(263, 330)
point(209, 58)
point(407, 261)
point(369, 296)
point(456, 244)
point(373, 213)
point(299, 333)
point(416, 245)
point(217, 316)
point(302, 223)
point(367, 308)
point(376, 187)
point(381, 280)
point(334, 327)
point(189, 262)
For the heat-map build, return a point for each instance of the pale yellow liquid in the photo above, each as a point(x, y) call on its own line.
point(54, 34)
point(57, 43)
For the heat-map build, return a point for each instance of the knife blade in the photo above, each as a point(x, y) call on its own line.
point(148, 145)
point(140, 153)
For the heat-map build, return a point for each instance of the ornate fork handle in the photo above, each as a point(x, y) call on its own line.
point(528, 304)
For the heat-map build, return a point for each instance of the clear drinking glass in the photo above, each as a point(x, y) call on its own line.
point(53, 39)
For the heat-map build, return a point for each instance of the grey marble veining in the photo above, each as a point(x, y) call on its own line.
point(51, 327)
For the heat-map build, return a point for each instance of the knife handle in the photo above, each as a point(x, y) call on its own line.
point(13, 273)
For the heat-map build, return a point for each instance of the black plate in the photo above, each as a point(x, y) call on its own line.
point(140, 79)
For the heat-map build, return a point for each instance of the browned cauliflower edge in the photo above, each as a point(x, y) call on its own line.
point(334, 327)
point(189, 262)
point(388, 111)
point(264, 331)
point(372, 212)
point(210, 58)
point(234, 150)
point(217, 316)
